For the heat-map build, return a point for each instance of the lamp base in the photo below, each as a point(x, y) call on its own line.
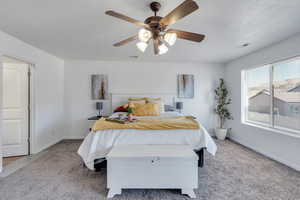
point(99, 113)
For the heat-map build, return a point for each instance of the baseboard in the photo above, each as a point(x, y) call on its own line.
point(74, 138)
point(268, 155)
point(48, 146)
point(57, 141)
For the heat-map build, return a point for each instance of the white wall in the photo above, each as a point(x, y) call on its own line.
point(137, 77)
point(283, 148)
point(48, 86)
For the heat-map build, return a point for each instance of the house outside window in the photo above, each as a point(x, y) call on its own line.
point(271, 95)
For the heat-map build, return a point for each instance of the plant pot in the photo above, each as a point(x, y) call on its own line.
point(221, 133)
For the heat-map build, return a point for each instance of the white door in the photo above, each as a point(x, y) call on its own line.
point(15, 110)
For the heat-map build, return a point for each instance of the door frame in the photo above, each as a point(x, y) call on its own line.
point(31, 102)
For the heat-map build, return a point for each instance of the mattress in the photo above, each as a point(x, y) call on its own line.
point(97, 145)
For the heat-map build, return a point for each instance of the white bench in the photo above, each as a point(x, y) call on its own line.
point(152, 166)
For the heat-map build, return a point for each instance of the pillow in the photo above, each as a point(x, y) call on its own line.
point(123, 108)
point(169, 108)
point(149, 109)
point(159, 102)
point(133, 104)
point(117, 114)
point(137, 100)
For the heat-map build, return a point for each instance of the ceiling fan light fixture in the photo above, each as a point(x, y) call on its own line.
point(142, 46)
point(155, 28)
point(162, 49)
point(144, 35)
point(170, 38)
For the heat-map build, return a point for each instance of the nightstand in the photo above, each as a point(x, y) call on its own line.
point(95, 118)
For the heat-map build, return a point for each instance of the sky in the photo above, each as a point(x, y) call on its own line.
point(282, 72)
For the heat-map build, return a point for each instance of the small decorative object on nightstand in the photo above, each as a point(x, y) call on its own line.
point(99, 107)
point(179, 106)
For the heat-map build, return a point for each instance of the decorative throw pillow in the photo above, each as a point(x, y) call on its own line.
point(133, 105)
point(149, 109)
point(123, 108)
point(137, 100)
point(159, 102)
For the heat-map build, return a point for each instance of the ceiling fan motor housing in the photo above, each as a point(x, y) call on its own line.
point(154, 21)
point(155, 6)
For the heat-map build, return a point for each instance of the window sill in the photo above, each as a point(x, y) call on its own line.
point(295, 134)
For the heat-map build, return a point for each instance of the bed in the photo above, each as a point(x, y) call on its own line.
point(97, 144)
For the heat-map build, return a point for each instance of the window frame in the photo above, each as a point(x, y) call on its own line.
point(245, 101)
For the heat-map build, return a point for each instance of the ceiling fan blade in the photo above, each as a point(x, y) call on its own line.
point(184, 9)
point(123, 42)
point(155, 44)
point(126, 18)
point(195, 37)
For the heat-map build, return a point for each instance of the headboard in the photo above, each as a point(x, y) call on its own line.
point(118, 99)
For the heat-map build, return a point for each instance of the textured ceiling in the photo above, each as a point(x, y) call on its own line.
point(80, 30)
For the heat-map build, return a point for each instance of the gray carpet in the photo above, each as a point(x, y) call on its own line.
point(235, 173)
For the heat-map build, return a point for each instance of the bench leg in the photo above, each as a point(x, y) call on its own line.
point(113, 191)
point(188, 191)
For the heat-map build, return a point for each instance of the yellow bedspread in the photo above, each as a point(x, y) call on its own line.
point(149, 124)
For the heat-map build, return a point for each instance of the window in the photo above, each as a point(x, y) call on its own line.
point(272, 95)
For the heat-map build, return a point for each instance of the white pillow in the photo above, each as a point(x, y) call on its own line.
point(116, 114)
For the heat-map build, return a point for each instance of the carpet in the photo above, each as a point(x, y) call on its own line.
point(235, 173)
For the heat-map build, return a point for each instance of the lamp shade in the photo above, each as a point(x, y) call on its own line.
point(179, 105)
point(144, 35)
point(99, 105)
point(170, 38)
point(142, 46)
point(162, 49)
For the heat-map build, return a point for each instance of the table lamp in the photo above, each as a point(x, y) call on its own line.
point(179, 106)
point(99, 107)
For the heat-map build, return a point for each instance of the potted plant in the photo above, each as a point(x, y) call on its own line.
point(130, 114)
point(221, 95)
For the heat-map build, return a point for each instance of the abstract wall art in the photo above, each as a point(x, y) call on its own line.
point(99, 86)
point(185, 86)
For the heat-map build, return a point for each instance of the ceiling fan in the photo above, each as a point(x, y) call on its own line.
point(155, 28)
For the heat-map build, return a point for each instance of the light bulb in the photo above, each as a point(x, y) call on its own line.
point(162, 49)
point(144, 35)
point(142, 46)
point(170, 38)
